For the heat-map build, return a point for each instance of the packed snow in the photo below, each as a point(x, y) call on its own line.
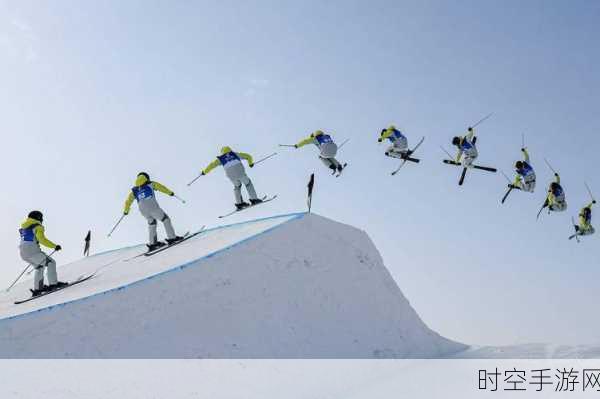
point(292, 286)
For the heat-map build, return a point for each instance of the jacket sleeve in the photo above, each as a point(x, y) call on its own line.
point(128, 203)
point(306, 141)
point(41, 237)
point(211, 166)
point(526, 156)
point(470, 135)
point(385, 134)
point(245, 156)
point(163, 189)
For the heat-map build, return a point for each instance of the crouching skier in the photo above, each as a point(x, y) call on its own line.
point(556, 200)
point(399, 147)
point(144, 193)
point(327, 147)
point(525, 178)
point(466, 146)
point(585, 227)
point(32, 235)
point(234, 169)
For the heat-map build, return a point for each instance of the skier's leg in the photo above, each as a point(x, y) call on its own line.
point(152, 236)
point(168, 226)
point(249, 187)
point(38, 278)
point(326, 162)
point(237, 192)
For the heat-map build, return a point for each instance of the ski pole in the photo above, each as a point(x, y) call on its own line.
point(589, 191)
point(523, 140)
point(265, 158)
point(507, 179)
point(550, 166)
point(447, 153)
point(343, 143)
point(482, 120)
point(23, 272)
point(116, 224)
point(179, 198)
point(196, 178)
point(287, 145)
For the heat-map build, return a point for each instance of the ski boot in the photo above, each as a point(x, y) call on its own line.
point(173, 240)
point(255, 201)
point(59, 284)
point(38, 292)
point(156, 245)
point(333, 169)
point(241, 205)
point(340, 167)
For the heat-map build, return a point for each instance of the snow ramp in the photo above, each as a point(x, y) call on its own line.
point(291, 286)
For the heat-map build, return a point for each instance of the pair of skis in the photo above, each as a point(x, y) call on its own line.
point(464, 171)
point(78, 281)
point(264, 200)
point(407, 157)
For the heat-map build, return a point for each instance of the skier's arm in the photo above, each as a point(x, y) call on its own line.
point(385, 134)
point(128, 203)
point(163, 189)
point(247, 157)
point(525, 155)
point(41, 237)
point(470, 135)
point(304, 142)
point(211, 166)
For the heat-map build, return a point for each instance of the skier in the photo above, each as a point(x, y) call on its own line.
point(328, 149)
point(466, 146)
point(32, 235)
point(585, 227)
point(234, 169)
point(525, 178)
point(556, 201)
point(399, 147)
point(144, 193)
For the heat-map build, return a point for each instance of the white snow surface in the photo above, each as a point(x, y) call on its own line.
point(291, 286)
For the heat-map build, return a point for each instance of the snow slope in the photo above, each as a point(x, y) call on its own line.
point(292, 286)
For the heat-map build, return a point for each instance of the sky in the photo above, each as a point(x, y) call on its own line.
point(95, 92)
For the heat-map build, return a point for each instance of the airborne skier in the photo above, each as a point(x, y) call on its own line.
point(466, 146)
point(32, 235)
point(585, 227)
point(234, 169)
point(525, 178)
point(327, 147)
point(144, 192)
point(399, 146)
point(555, 200)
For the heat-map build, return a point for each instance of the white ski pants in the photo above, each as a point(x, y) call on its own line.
point(32, 254)
point(150, 209)
point(237, 174)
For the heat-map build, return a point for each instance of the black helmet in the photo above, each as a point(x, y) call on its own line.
point(36, 215)
point(146, 175)
point(519, 165)
point(470, 129)
point(456, 140)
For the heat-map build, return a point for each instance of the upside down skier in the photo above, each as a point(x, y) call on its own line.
point(525, 178)
point(32, 235)
point(399, 146)
point(234, 169)
point(555, 200)
point(585, 221)
point(144, 192)
point(466, 146)
point(327, 147)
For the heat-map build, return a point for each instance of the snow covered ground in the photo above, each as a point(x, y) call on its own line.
point(292, 286)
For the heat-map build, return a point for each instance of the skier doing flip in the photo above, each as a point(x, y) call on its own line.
point(466, 147)
point(399, 146)
point(32, 235)
point(144, 192)
point(327, 147)
point(234, 169)
point(556, 200)
point(585, 227)
point(525, 178)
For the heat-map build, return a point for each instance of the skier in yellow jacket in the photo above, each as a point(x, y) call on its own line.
point(234, 169)
point(556, 200)
point(585, 221)
point(32, 235)
point(144, 193)
point(328, 149)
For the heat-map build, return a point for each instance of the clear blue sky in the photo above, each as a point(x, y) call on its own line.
point(94, 92)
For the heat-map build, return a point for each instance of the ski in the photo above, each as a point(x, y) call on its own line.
point(540, 211)
point(340, 172)
point(462, 177)
point(408, 157)
point(186, 237)
point(80, 280)
point(264, 200)
point(486, 168)
point(507, 193)
point(576, 235)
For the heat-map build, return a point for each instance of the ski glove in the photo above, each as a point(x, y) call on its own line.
point(172, 194)
point(295, 145)
point(251, 165)
point(57, 248)
point(380, 140)
point(126, 213)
